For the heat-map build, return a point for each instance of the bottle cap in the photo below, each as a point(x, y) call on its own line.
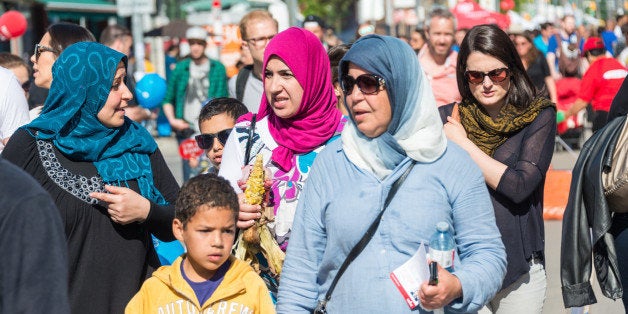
point(442, 226)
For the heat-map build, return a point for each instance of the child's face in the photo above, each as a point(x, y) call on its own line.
point(214, 125)
point(208, 238)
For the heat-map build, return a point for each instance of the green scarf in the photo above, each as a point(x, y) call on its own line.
point(487, 133)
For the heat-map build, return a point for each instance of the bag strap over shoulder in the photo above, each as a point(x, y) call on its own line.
point(243, 77)
point(366, 238)
point(249, 141)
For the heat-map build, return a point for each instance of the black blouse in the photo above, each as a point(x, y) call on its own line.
point(108, 262)
point(518, 199)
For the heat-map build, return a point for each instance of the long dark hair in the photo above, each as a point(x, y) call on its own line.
point(491, 40)
point(64, 34)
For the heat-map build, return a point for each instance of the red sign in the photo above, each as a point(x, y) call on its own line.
point(189, 149)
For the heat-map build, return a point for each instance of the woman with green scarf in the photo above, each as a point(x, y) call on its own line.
point(105, 173)
point(508, 130)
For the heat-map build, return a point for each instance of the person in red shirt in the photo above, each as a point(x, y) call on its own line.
point(599, 84)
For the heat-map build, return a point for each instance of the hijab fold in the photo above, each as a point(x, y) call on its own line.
point(415, 129)
point(317, 118)
point(82, 80)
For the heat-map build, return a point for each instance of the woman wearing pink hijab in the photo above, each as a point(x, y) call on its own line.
point(296, 119)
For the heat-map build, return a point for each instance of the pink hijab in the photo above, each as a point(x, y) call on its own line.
point(317, 119)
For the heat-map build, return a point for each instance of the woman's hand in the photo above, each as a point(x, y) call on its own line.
point(179, 124)
point(438, 296)
point(248, 213)
point(455, 131)
point(123, 204)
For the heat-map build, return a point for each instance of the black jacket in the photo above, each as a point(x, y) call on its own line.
point(586, 224)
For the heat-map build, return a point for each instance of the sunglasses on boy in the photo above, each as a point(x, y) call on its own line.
point(497, 75)
point(41, 48)
point(206, 140)
point(368, 84)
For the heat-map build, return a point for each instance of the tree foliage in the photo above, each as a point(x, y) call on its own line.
point(335, 12)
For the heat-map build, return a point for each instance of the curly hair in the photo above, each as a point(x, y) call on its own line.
point(205, 191)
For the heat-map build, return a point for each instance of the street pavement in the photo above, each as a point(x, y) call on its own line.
point(562, 160)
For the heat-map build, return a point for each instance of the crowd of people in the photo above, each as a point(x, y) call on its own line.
point(365, 148)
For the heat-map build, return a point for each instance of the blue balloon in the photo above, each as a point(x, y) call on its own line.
point(150, 90)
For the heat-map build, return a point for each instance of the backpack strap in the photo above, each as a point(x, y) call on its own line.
point(243, 77)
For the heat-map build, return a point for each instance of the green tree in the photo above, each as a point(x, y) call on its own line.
point(335, 12)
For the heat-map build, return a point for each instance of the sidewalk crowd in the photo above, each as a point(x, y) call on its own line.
point(314, 173)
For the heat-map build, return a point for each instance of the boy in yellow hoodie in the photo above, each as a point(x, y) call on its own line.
point(206, 279)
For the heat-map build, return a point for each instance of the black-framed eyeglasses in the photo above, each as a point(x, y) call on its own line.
point(260, 41)
point(206, 140)
point(497, 75)
point(26, 86)
point(368, 84)
point(41, 48)
point(194, 41)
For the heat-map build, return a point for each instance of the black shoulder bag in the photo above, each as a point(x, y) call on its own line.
point(321, 307)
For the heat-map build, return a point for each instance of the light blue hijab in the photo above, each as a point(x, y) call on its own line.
point(82, 79)
point(415, 129)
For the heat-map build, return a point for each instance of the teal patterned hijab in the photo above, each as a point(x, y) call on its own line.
point(82, 79)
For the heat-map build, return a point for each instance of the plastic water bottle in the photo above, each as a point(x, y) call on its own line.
point(443, 246)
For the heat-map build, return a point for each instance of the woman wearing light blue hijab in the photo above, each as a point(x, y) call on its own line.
point(108, 178)
point(394, 124)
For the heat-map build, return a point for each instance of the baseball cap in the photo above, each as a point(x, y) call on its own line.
point(593, 43)
point(313, 19)
point(196, 32)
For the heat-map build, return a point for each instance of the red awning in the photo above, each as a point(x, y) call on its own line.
point(468, 14)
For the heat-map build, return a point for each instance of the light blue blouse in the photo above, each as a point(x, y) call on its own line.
point(339, 203)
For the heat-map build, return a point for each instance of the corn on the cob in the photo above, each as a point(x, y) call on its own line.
point(258, 238)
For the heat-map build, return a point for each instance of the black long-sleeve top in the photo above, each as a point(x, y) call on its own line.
point(34, 265)
point(108, 262)
point(518, 199)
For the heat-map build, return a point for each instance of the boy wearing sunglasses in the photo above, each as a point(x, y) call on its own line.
point(217, 118)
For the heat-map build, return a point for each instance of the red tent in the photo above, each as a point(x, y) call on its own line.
point(469, 14)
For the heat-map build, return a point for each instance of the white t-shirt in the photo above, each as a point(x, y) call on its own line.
point(287, 186)
point(196, 93)
point(13, 105)
point(253, 92)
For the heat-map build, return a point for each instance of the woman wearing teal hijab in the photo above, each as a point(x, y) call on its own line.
point(108, 178)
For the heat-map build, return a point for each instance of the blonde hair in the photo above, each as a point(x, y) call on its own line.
point(255, 15)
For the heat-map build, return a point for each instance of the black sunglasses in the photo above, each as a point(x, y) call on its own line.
point(368, 84)
point(497, 75)
point(194, 41)
point(26, 86)
point(41, 48)
point(206, 140)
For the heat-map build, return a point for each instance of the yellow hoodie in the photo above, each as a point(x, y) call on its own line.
point(241, 291)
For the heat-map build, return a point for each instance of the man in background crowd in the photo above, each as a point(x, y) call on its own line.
point(437, 58)
point(257, 28)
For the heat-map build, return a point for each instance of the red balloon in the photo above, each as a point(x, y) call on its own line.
point(507, 5)
point(189, 149)
point(12, 24)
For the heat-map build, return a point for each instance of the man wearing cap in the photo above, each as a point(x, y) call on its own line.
point(437, 58)
point(599, 84)
point(316, 25)
point(257, 28)
point(194, 80)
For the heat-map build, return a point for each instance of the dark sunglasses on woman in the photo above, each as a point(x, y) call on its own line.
point(368, 84)
point(41, 48)
point(497, 75)
point(206, 140)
